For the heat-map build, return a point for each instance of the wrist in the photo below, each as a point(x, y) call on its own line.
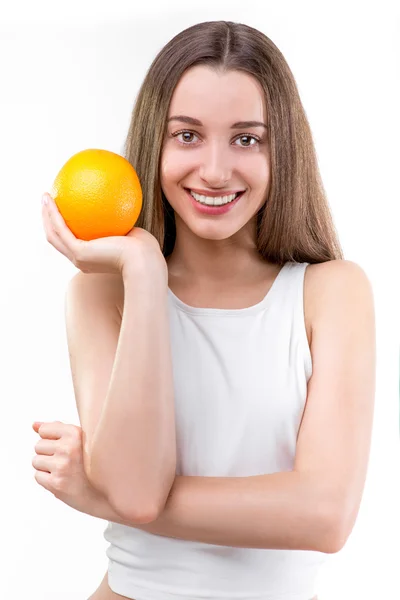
point(148, 271)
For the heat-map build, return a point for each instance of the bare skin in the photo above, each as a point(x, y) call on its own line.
point(104, 592)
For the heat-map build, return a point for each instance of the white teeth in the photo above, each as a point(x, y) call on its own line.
point(218, 201)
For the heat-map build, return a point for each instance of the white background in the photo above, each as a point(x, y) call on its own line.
point(69, 76)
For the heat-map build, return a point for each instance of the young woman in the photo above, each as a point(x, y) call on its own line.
point(223, 352)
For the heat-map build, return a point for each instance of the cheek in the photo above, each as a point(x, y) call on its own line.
point(174, 165)
point(255, 170)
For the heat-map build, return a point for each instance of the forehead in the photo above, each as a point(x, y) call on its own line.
point(218, 97)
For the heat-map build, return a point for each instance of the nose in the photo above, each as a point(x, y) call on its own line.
point(215, 168)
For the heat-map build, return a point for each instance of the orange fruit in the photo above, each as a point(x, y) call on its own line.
point(98, 194)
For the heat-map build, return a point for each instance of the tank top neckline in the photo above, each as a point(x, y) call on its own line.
point(239, 312)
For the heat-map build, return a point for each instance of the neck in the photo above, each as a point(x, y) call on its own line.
point(215, 262)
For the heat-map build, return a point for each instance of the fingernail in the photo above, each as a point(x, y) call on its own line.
point(45, 199)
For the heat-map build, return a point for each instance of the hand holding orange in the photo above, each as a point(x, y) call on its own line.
point(90, 214)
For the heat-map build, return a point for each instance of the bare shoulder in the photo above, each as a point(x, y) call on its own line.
point(327, 282)
point(94, 288)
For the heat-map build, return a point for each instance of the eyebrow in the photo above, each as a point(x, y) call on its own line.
point(238, 125)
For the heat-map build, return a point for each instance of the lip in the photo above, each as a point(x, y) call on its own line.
point(213, 210)
point(214, 194)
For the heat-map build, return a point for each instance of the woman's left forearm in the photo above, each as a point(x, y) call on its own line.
point(281, 510)
point(278, 511)
point(285, 510)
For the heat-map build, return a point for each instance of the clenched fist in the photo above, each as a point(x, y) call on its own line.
point(59, 466)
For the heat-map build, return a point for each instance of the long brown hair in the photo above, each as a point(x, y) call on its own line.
point(295, 222)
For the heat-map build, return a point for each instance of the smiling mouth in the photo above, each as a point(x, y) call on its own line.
point(220, 200)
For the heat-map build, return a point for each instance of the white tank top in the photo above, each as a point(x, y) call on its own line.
point(240, 383)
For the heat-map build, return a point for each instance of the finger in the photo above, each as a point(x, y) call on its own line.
point(60, 227)
point(52, 237)
point(44, 479)
point(42, 463)
point(47, 447)
point(52, 431)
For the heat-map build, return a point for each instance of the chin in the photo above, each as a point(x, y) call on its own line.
point(213, 231)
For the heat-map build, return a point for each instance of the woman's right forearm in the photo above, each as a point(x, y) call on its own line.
point(133, 455)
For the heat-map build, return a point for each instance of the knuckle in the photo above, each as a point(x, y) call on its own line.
point(64, 449)
point(73, 450)
point(76, 432)
point(76, 445)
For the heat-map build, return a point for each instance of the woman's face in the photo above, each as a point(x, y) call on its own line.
point(211, 151)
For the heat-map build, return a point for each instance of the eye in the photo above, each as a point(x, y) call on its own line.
point(247, 138)
point(187, 136)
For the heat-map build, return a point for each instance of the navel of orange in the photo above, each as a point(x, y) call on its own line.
point(98, 194)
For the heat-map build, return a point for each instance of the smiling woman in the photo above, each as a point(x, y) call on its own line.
point(255, 339)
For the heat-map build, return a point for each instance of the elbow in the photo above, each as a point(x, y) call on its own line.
point(124, 505)
point(132, 502)
point(331, 516)
point(334, 533)
point(146, 513)
point(334, 544)
point(148, 508)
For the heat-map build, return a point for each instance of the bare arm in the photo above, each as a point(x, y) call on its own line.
point(134, 447)
point(122, 375)
point(284, 510)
